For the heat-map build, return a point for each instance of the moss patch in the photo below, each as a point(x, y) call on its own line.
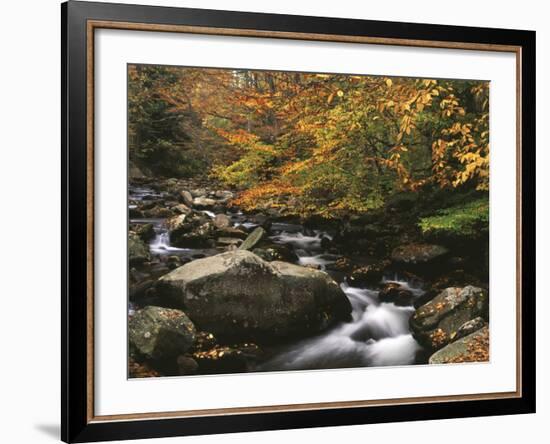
point(466, 219)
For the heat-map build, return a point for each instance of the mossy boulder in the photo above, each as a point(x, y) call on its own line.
point(138, 251)
point(160, 333)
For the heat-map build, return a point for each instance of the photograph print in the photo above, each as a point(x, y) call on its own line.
point(286, 221)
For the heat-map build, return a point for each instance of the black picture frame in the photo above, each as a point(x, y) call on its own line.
point(77, 327)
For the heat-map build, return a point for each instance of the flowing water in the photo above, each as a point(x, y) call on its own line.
point(378, 333)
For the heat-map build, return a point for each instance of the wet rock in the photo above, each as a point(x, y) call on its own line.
point(238, 295)
point(471, 348)
point(469, 327)
point(343, 264)
point(138, 251)
point(253, 239)
point(370, 274)
point(415, 254)
point(276, 253)
point(160, 333)
point(396, 293)
point(194, 230)
point(146, 232)
point(437, 322)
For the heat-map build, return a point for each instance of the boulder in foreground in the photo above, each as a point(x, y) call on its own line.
point(471, 348)
point(437, 323)
point(239, 296)
point(159, 333)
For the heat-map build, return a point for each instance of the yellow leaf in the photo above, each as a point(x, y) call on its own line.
point(389, 83)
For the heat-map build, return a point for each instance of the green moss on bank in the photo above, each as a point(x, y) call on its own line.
point(466, 219)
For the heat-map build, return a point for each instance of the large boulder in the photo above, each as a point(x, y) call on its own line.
point(138, 251)
point(160, 333)
point(416, 254)
point(437, 323)
point(239, 296)
point(471, 348)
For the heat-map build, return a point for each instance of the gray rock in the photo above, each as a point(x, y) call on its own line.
point(471, 348)
point(199, 192)
point(203, 202)
point(253, 238)
point(159, 333)
point(182, 209)
point(222, 221)
point(237, 295)
point(193, 230)
point(222, 194)
point(469, 327)
point(186, 197)
point(436, 323)
point(417, 253)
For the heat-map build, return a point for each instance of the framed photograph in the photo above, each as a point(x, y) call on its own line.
point(276, 221)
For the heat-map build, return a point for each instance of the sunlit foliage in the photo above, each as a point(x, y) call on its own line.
point(324, 144)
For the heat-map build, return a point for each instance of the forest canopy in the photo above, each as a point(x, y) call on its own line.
point(316, 144)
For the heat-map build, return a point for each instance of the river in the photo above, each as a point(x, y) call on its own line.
point(378, 333)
